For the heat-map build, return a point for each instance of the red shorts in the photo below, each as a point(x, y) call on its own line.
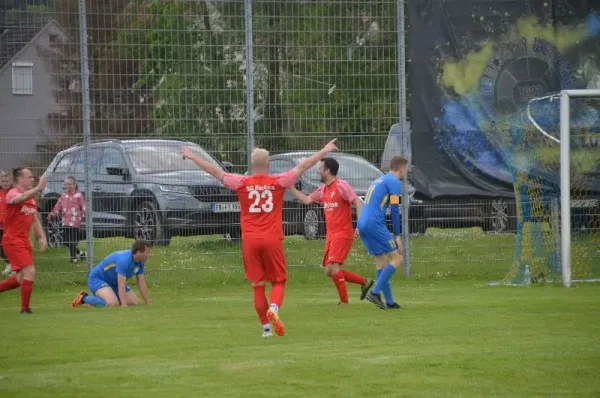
point(264, 260)
point(337, 249)
point(19, 254)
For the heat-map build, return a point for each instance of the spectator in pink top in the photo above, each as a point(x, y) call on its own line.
point(71, 207)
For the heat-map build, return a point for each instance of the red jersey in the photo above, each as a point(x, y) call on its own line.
point(337, 199)
point(261, 202)
point(19, 217)
point(3, 193)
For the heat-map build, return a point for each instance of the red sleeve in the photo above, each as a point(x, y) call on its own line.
point(317, 196)
point(11, 195)
point(287, 179)
point(233, 181)
point(346, 191)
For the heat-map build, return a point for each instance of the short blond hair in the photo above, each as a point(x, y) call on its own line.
point(260, 157)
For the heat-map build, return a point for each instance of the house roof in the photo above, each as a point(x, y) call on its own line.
point(19, 33)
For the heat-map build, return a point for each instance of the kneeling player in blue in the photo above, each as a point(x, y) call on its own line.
point(108, 280)
point(383, 192)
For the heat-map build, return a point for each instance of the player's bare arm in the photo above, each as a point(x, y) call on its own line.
point(358, 204)
point(301, 196)
point(315, 158)
point(203, 164)
point(122, 282)
point(39, 233)
point(395, 213)
point(143, 287)
point(25, 196)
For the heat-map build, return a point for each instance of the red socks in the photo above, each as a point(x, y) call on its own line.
point(261, 304)
point(340, 284)
point(26, 289)
point(354, 278)
point(9, 284)
point(277, 293)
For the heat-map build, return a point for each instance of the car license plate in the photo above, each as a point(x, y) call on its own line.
point(225, 207)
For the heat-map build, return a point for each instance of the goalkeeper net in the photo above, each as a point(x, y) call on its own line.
point(532, 142)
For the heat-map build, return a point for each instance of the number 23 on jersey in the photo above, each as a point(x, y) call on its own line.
point(262, 201)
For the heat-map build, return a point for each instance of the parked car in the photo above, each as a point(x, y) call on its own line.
point(143, 189)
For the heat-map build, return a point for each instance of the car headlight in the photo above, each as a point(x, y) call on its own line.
point(175, 188)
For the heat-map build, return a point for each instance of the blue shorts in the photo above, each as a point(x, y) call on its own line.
point(378, 240)
point(96, 283)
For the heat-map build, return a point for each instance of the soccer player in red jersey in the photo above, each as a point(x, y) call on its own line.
point(337, 197)
point(22, 213)
point(261, 205)
point(5, 184)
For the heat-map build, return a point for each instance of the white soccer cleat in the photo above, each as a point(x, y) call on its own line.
point(7, 270)
point(267, 333)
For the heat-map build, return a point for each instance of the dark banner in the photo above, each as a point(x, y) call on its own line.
point(475, 66)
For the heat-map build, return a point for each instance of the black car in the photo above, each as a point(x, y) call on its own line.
point(143, 189)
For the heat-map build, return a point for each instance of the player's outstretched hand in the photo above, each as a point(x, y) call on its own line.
point(186, 152)
point(356, 232)
point(331, 146)
point(43, 245)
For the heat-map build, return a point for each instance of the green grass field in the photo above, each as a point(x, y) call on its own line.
point(456, 336)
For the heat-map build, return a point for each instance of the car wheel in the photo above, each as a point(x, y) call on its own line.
point(233, 235)
point(313, 224)
point(501, 216)
point(147, 224)
point(54, 232)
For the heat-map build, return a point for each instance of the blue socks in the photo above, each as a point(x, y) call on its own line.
point(95, 301)
point(383, 283)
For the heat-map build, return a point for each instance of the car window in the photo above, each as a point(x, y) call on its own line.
point(78, 165)
point(351, 169)
point(164, 157)
point(64, 163)
point(111, 157)
point(278, 166)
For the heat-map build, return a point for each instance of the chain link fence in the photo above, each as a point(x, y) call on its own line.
point(162, 74)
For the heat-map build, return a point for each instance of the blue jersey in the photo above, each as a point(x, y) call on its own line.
point(117, 263)
point(382, 193)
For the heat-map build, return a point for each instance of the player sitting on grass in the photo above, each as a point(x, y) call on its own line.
point(337, 197)
point(108, 280)
point(383, 192)
point(261, 207)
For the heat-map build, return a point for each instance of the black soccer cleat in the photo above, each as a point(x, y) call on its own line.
point(364, 289)
point(394, 306)
point(376, 299)
point(27, 311)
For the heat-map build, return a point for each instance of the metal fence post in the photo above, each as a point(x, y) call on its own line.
point(86, 112)
point(249, 79)
point(405, 142)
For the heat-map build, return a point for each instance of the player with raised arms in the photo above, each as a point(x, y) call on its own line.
point(108, 280)
point(261, 203)
point(385, 191)
point(21, 215)
point(337, 197)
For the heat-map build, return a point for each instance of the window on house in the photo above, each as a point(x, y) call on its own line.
point(22, 78)
point(53, 38)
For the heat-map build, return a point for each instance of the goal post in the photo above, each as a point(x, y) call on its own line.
point(565, 175)
point(553, 149)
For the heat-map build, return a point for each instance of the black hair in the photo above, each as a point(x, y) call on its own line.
point(332, 165)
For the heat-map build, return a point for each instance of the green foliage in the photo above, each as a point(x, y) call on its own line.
point(192, 57)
